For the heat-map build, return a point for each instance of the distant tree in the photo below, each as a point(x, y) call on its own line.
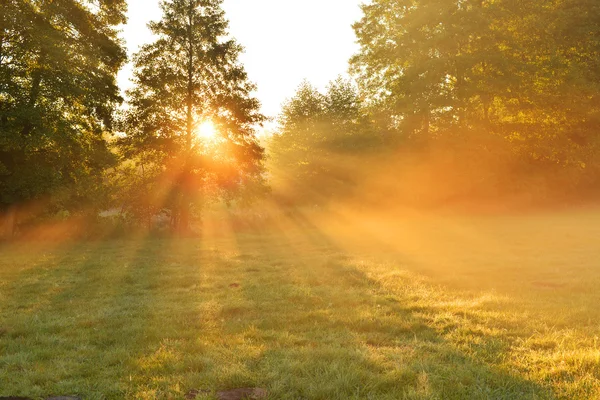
point(296, 151)
point(190, 75)
point(316, 131)
point(58, 62)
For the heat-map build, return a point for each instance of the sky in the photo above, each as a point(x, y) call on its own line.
point(285, 41)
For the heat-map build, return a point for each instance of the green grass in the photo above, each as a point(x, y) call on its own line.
point(405, 307)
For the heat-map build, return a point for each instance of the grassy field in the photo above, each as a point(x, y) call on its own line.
point(399, 306)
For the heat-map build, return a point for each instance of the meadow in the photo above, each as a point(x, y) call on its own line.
point(400, 305)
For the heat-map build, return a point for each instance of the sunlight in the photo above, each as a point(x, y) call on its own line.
point(207, 130)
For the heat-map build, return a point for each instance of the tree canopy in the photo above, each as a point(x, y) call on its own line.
point(58, 62)
point(523, 71)
point(189, 76)
point(316, 131)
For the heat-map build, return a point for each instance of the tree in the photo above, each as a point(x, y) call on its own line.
point(58, 62)
point(481, 70)
point(189, 77)
point(316, 135)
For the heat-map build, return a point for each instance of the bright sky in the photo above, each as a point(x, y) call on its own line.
point(286, 41)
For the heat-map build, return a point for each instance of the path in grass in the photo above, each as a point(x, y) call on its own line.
point(309, 312)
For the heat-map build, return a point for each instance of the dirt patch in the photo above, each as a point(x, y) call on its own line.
point(233, 394)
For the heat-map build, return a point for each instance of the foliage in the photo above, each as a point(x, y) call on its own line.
point(522, 71)
point(315, 131)
point(191, 74)
point(58, 61)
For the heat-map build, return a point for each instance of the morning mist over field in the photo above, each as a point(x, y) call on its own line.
point(384, 199)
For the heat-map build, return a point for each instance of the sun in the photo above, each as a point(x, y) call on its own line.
point(207, 130)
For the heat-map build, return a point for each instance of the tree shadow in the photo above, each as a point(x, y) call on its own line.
point(74, 323)
point(331, 331)
point(156, 318)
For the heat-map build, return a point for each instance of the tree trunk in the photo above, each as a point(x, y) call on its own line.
point(3, 28)
point(426, 121)
point(180, 219)
point(34, 92)
point(185, 199)
point(184, 217)
point(486, 101)
point(460, 92)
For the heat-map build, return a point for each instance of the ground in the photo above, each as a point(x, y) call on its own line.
point(396, 306)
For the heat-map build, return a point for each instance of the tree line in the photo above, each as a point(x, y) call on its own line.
point(518, 81)
point(507, 84)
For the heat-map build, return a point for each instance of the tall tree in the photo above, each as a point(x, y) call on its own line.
point(188, 77)
point(434, 64)
point(521, 71)
point(58, 62)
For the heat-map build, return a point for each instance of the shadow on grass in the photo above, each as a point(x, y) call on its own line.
point(74, 323)
point(330, 331)
point(154, 318)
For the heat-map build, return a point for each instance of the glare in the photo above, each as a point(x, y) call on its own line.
point(207, 130)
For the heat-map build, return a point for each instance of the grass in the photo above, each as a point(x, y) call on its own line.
point(391, 307)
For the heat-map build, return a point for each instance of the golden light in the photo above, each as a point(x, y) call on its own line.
point(207, 130)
